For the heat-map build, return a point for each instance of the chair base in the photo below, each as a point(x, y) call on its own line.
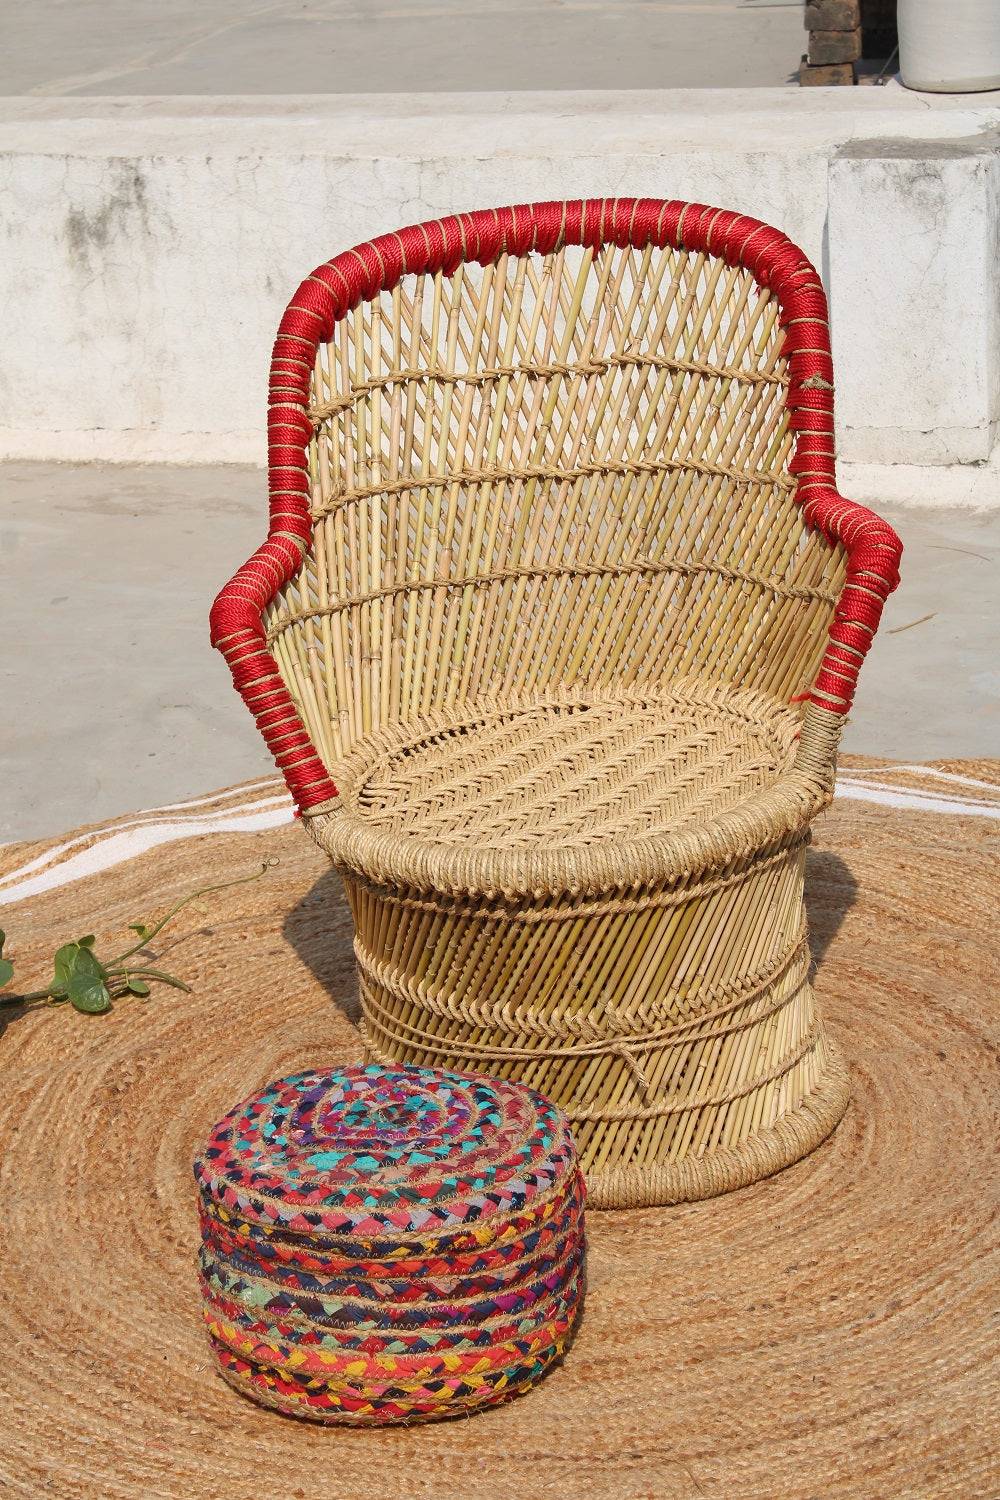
point(648, 972)
point(784, 1143)
point(781, 1145)
point(676, 1089)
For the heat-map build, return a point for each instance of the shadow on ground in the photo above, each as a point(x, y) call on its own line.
point(831, 891)
point(320, 931)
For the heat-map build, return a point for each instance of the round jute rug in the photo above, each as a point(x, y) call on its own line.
point(829, 1332)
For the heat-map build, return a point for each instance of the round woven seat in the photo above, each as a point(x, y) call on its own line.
point(571, 790)
point(389, 1245)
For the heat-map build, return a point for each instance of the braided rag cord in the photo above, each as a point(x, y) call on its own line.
point(387, 1246)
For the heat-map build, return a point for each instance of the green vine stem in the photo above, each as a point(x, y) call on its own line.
point(90, 984)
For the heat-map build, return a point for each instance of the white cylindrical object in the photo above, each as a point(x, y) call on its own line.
point(949, 46)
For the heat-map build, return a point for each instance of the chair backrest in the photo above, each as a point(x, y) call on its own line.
point(574, 443)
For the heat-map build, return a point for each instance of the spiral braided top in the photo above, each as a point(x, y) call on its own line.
point(389, 1244)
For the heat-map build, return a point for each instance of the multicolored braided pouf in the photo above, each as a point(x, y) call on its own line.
point(389, 1244)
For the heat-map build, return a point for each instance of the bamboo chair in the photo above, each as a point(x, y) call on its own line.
point(552, 637)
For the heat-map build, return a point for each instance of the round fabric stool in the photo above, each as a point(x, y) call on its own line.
point(389, 1244)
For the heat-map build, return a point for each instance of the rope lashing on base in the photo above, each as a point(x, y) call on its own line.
point(393, 1031)
point(661, 1108)
point(595, 1036)
point(693, 1102)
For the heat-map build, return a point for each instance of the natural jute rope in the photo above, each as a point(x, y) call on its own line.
point(829, 1332)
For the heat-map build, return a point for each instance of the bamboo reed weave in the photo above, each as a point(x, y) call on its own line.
point(567, 469)
point(558, 595)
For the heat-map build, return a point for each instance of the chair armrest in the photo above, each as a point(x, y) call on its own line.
point(816, 757)
point(873, 554)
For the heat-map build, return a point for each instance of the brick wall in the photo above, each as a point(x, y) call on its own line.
point(841, 34)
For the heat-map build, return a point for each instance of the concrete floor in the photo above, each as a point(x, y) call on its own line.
point(113, 699)
point(101, 47)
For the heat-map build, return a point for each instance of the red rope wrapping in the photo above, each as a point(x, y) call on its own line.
point(873, 548)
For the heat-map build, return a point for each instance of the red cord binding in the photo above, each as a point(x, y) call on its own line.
point(873, 548)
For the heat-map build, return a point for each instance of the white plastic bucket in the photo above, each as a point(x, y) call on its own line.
point(949, 46)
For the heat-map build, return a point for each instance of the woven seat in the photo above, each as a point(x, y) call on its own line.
point(574, 791)
point(552, 636)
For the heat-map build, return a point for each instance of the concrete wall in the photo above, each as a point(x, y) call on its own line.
point(149, 246)
point(913, 261)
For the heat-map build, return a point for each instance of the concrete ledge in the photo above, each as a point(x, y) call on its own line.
point(916, 318)
point(923, 486)
point(151, 244)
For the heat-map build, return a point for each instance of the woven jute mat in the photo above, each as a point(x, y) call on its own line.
point(830, 1332)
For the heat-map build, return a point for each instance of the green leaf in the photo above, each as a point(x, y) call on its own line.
point(71, 962)
point(81, 978)
point(140, 929)
point(6, 971)
point(86, 942)
point(89, 994)
point(138, 986)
